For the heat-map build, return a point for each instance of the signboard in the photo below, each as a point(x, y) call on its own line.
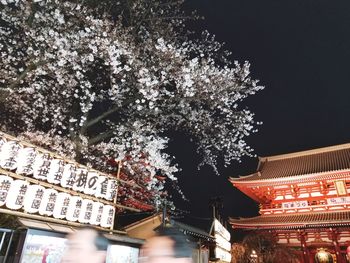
point(223, 245)
point(221, 230)
point(339, 200)
point(49, 247)
point(42, 246)
point(340, 187)
point(19, 162)
point(294, 205)
point(119, 253)
point(222, 254)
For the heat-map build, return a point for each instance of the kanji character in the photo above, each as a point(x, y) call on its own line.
point(82, 178)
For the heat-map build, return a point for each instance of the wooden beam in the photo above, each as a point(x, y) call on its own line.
point(116, 194)
point(54, 220)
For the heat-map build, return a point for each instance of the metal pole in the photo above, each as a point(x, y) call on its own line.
point(2, 240)
point(8, 247)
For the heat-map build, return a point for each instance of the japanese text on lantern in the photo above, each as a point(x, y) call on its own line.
point(33, 162)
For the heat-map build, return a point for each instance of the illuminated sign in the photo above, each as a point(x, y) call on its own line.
point(223, 245)
point(221, 230)
point(341, 188)
point(296, 204)
point(120, 253)
point(222, 254)
point(339, 200)
point(69, 192)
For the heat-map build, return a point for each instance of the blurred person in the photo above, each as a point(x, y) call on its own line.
point(169, 246)
point(85, 246)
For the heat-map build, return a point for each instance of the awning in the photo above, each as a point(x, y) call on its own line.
point(191, 230)
point(36, 224)
point(30, 223)
point(124, 239)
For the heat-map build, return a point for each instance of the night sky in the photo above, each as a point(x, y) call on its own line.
point(300, 52)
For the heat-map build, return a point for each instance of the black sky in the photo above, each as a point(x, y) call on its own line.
point(300, 51)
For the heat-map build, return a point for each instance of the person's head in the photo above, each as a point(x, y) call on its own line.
point(169, 246)
point(86, 246)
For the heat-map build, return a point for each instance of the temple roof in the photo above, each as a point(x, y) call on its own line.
point(293, 221)
point(328, 159)
point(194, 231)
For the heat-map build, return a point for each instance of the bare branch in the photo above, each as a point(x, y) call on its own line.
point(101, 137)
point(101, 117)
point(22, 76)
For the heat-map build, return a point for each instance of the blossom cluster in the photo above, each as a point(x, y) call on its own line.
point(77, 82)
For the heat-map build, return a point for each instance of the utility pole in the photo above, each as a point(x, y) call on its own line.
point(216, 203)
point(214, 211)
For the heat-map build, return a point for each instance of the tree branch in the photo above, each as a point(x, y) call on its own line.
point(22, 76)
point(107, 113)
point(101, 137)
point(100, 117)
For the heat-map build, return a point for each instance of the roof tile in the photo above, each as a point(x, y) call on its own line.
point(293, 221)
point(309, 162)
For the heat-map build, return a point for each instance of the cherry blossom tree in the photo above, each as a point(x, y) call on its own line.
point(93, 86)
point(266, 248)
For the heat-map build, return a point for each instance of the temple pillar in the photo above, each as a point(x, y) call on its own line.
point(305, 251)
point(335, 242)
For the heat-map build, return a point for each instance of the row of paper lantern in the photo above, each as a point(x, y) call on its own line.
point(19, 194)
point(29, 161)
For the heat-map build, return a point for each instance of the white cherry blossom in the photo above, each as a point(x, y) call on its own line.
point(80, 83)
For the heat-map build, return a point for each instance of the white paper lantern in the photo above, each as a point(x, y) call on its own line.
point(2, 142)
point(8, 155)
point(16, 195)
point(5, 184)
point(33, 198)
point(80, 180)
point(74, 208)
point(61, 206)
point(102, 187)
point(91, 184)
point(56, 171)
point(96, 215)
point(111, 189)
point(25, 160)
point(48, 202)
point(86, 211)
point(107, 216)
point(41, 166)
point(69, 175)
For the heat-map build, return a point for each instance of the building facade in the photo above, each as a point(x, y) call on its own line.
point(304, 201)
point(201, 240)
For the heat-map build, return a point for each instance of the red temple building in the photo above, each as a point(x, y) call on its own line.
point(304, 201)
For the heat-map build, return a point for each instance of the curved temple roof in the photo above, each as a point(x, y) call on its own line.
point(328, 159)
point(293, 221)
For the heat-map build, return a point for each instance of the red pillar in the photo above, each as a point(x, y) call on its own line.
point(336, 246)
point(305, 251)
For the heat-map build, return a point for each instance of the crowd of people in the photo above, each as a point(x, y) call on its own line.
point(168, 246)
